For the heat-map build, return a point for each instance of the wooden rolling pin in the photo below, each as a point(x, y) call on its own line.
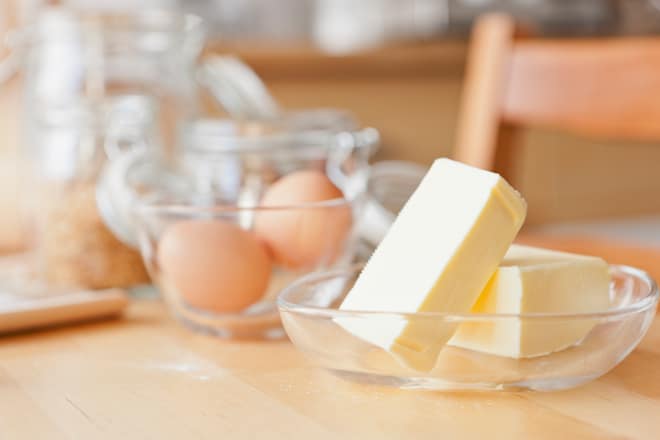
point(46, 311)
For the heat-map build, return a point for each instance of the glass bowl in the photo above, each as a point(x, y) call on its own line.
point(219, 269)
point(389, 186)
point(238, 218)
point(309, 311)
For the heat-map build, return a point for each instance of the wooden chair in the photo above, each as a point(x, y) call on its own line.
point(600, 88)
point(603, 88)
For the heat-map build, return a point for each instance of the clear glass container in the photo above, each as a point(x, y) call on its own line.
point(72, 245)
point(95, 86)
point(78, 61)
point(312, 320)
point(243, 198)
point(390, 185)
point(219, 156)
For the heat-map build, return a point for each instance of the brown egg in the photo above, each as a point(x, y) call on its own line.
point(214, 265)
point(301, 238)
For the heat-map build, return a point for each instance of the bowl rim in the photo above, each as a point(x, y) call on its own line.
point(650, 300)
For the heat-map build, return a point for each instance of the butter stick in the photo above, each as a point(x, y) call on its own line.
point(533, 280)
point(437, 256)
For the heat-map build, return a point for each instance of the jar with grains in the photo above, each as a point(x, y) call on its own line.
point(95, 85)
point(73, 247)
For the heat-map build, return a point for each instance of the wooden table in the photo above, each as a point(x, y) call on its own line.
point(145, 377)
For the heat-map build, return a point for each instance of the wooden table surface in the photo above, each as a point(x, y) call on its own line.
point(146, 377)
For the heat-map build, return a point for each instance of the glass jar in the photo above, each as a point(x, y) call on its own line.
point(244, 209)
point(96, 85)
point(217, 157)
point(72, 246)
point(74, 61)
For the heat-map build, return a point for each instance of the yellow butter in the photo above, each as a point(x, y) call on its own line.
point(437, 256)
point(533, 280)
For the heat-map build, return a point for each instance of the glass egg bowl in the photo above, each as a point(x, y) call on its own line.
point(237, 213)
point(220, 268)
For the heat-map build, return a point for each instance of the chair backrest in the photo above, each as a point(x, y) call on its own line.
point(604, 88)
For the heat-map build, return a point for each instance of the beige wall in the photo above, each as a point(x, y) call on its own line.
point(416, 116)
point(10, 194)
point(563, 177)
point(10, 191)
point(566, 177)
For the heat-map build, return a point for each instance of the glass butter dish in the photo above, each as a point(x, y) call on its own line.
point(311, 318)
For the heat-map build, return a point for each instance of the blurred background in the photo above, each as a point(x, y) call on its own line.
point(399, 66)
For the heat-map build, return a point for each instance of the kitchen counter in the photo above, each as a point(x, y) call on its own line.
point(147, 377)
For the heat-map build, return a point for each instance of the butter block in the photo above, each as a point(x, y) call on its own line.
point(533, 280)
point(437, 256)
